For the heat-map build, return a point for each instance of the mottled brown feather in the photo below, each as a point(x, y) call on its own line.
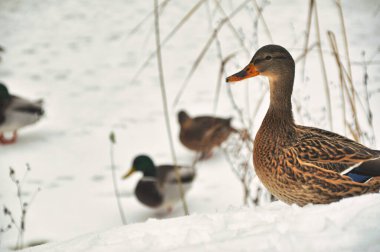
point(204, 133)
point(299, 164)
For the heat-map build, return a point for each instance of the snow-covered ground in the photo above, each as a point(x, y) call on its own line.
point(79, 56)
point(334, 227)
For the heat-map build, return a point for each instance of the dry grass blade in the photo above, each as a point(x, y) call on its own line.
point(204, 50)
point(220, 79)
point(167, 38)
point(232, 27)
point(307, 36)
point(139, 24)
point(182, 22)
point(344, 33)
point(357, 132)
point(165, 105)
point(112, 139)
point(323, 66)
point(369, 111)
point(303, 55)
point(194, 67)
point(260, 14)
point(341, 77)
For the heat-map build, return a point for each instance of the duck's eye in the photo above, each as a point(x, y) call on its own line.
point(268, 57)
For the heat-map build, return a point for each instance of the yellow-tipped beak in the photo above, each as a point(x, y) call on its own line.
point(129, 173)
point(247, 72)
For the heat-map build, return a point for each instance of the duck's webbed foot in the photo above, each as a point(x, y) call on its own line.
point(4, 140)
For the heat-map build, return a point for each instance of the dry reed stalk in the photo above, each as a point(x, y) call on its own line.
point(243, 177)
point(232, 27)
point(305, 53)
point(369, 111)
point(307, 36)
point(260, 14)
point(241, 171)
point(341, 78)
point(165, 105)
point(323, 67)
point(344, 33)
point(139, 24)
point(167, 38)
point(220, 80)
point(112, 139)
point(204, 51)
point(24, 206)
point(356, 133)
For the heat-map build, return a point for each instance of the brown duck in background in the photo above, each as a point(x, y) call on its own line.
point(301, 164)
point(204, 133)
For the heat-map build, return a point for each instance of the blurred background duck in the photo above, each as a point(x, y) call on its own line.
point(203, 133)
point(301, 164)
point(15, 113)
point(159, 187)
point(1, 51)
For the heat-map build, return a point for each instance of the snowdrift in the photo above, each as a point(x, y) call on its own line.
point(349, 225)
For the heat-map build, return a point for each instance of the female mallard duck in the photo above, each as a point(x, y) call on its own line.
point(301, 164)
point(159, 185)
point(203, 133)
point(15, 113)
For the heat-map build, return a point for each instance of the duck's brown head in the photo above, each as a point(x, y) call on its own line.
point(182, 117)
point(270, 61)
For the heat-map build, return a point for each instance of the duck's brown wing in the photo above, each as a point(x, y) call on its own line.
point(334, 152)
point(211, 131)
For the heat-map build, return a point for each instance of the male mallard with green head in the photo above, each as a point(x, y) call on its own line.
point(203, 133)
point(159, 185)
point(15, 113)
point(300, 164)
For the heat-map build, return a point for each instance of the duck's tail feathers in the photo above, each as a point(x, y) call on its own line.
point(31, 109)
point(374, 184)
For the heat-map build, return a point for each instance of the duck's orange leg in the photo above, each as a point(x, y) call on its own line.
point(4, 140)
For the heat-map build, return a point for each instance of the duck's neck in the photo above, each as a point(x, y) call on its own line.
point(279, 117)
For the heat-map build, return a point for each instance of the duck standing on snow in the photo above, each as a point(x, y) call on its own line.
point(301, 164)
point(15, 113)
point(159, 185)
point(203, 133)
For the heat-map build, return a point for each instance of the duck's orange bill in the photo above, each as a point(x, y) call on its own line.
point(248, 72)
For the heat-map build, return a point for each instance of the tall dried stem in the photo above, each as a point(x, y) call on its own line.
point(204, 50)
point(323, 66)
point(167, 38)
point(341, 77)
point(307, 36)
point(356, 131)
point(112, 139)
point(165, 105)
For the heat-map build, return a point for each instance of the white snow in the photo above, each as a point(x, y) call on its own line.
point(274, 227)
point(78, 56)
